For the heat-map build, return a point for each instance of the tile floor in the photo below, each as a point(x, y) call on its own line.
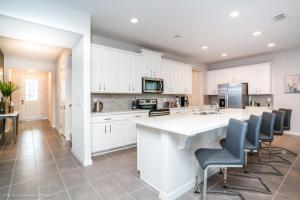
point(41, 166)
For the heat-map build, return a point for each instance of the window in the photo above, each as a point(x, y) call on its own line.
point(31, 89)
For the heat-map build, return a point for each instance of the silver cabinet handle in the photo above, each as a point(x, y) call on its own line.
point(129, 87)
point(138, 116)
point(100, 86)
point(106, 119)
point(105, 128)
point(104, 86)
point(110, 128)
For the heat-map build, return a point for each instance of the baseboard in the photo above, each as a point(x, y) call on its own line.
point(292, 133)
point(113, 150)
point(178, 192)
point(84, 163)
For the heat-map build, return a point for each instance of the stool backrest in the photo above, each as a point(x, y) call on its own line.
point(287, 118)
point(267, 124)
point(279, 120)
point(253, 130)
point(235, 137)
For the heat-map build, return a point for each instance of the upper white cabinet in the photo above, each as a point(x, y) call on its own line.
point(257, 76)
point(211, 83)
point(177, 77)
point(151, 62)
point(259, 79)
point(115, 70)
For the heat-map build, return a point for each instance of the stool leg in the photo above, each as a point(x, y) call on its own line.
point(225, 177)
point(204, 183)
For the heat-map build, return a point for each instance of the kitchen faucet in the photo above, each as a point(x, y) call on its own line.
point(216, 105)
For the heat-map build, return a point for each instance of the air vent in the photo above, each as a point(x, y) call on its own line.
point(280, 17)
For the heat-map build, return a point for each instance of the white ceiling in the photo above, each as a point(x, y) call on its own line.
point(199, 22)
point(29, 50)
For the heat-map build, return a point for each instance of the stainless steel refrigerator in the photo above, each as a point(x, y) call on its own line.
point(233, 95)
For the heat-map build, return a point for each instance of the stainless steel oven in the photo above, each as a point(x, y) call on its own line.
point(153, 85)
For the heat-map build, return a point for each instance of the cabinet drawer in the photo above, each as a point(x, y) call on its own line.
point(108, 118)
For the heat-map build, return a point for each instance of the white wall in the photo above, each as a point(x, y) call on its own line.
point(23, 19)
point(283, 63)
point(23, 63)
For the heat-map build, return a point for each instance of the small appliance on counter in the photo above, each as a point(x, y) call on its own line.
point(97, 105)
point(151, 104)
point(182, 101)
point(134, 104)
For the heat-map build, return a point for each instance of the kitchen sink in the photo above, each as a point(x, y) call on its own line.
point(207, 113)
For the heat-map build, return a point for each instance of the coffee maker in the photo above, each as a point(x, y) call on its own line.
point(183, 101)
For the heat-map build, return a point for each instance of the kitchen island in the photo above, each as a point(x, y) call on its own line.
point(166, 145)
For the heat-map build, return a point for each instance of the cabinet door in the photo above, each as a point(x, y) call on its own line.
point(147, 70)
point(135, 76)
point(116, 134)
point(95, 69)
point(122, 73)
point(130, 132)
point(98, 137)
point(265, 79)
point(211, 83)
point(156, 66)
point(109, 70)
point(167, 73)
point(188, 79)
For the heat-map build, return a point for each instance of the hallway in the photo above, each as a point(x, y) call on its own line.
point(41, 166)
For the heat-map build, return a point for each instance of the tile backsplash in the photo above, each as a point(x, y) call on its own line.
point(123, 101)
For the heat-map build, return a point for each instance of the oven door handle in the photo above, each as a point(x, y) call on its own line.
point(161, 86)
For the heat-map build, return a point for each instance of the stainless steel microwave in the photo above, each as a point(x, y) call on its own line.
point(153, 85)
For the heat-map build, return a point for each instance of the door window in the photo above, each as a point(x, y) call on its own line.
point(31, 89)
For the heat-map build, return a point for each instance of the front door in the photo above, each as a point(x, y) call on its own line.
point(31, 102)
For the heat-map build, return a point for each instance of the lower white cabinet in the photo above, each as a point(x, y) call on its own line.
point(114, 131)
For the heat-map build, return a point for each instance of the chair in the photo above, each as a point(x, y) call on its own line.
point(278, 130)
point(232, 155)
point(286, 127)
point(252, 144)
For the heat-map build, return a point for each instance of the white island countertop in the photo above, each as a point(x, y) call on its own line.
point(190, 124)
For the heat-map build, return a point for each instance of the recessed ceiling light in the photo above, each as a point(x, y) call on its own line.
point(257, 33)
point(234, 14)
point(271, 45)
point(177, 36)
point(205, 47)
point(134, 20)
point(224, 55)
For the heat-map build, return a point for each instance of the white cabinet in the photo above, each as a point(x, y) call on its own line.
point(114, 131)
point(114, 134)
point(177, 77)
point(135, 76)
point(211, 83)
point(98, 137)
point(257, 76)
point(259, 79)
point(115, 70)
point(151, 63)
point(107, 135)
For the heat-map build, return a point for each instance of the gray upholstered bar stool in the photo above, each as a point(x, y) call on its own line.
point(286, 127)
point(278, 129)
point(252, 144)
point(232, 155)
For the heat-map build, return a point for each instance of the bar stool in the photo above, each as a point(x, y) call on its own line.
point(232, 155)
point(278, 130)
point(286, 127)
point(252, 144)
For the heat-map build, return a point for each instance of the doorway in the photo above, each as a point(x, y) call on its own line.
point(31, 97)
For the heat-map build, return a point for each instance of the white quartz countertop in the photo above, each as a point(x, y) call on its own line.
point(189, 124)
point(118, 112)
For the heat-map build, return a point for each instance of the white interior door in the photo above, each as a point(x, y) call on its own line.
point(31, 101)
point(68, 106)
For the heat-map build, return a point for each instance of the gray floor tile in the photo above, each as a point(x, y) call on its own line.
point(73, 177)
point(84, 192)
point(128, 181)
point(46, 170)
point(185, 197)
point(145, 194)
point(50, 185)
point(4, 193)
point(109, 189)
point(5, 178)
point(27, 190)
point(23, 175)
point(59, 196)
point(7, 166)
point(66, 164)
